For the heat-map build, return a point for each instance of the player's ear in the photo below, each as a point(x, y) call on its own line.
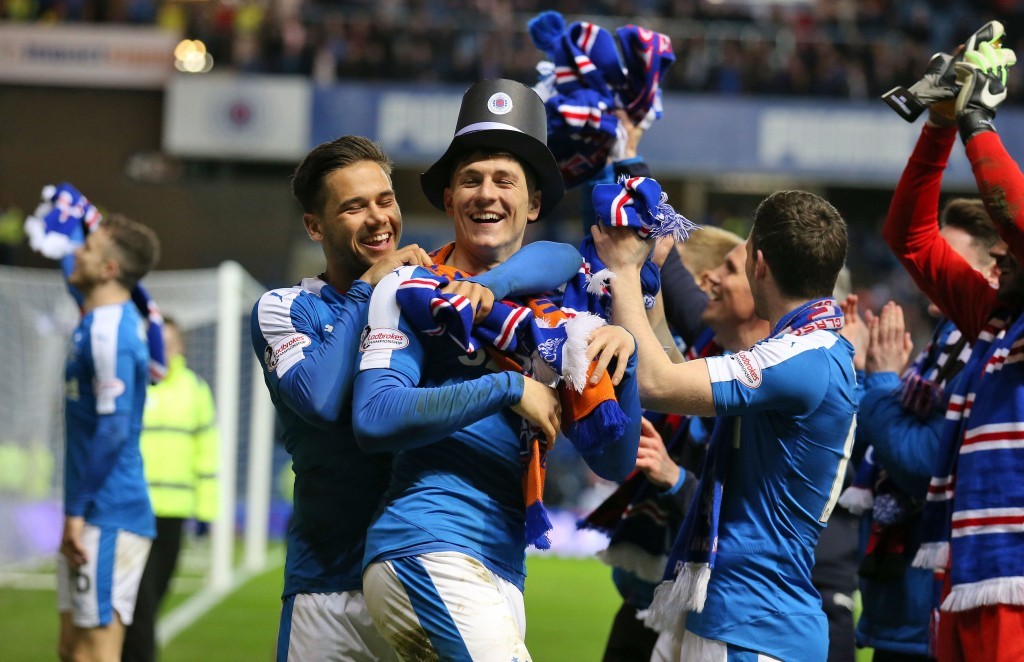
point(111, 268)
point(761, 268)
point(449, 207)
point(534, 210)
point(313, 226)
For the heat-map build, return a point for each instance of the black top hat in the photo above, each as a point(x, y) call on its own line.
point(506, 115)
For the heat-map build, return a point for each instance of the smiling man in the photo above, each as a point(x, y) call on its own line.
point(446, 554)
point(730, 310)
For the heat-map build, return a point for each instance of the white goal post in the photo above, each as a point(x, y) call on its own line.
point(212, 308)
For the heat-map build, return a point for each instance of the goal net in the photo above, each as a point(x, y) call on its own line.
point(212, 307)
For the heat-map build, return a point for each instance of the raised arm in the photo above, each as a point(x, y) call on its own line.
point(681, 388)
point(912, 232)
point(684, 300)
point(1002, 188)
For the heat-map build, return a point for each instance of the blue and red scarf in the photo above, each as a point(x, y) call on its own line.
point(59, 225)
point(693, 555)
point(638, 203)
point(592, 73)
point(922, 391)
point(973, 521)
point(533, 336)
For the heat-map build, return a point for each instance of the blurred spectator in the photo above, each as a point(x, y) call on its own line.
point(836, 48)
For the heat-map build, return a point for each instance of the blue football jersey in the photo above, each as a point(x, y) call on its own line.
point(307, 340)
point(105, 393)
point(794, 396)
point(457, 482)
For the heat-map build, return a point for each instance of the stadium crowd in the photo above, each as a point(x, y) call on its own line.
point(832, 48)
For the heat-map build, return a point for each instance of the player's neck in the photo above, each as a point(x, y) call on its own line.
point(478, 259)
point(784, 306)
point(340, 278)
point(104, 294)
point(744, 335)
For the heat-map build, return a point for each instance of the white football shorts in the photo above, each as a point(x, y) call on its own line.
point(329, 627)
point(108, 582)
point(446, 605)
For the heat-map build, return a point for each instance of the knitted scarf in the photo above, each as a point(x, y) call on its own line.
point(974, 513)
point(692, 559)
point(534, 337)
point(59, 225)
point(638, 526)
point(639, 203)
point(589, 74)
point(923, 384)
point(922, 390)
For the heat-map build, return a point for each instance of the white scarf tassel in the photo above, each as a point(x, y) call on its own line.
point(599, 280)
point(672, 600)
point(857, 500)
point(997, 591)
point(932, 556)
point(633, 558)
point(574, 354)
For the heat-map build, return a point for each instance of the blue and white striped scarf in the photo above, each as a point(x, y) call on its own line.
point(590, 74)
point(974, 515)
point(638, 203)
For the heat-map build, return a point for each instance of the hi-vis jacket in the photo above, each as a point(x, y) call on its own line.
point(180, 445)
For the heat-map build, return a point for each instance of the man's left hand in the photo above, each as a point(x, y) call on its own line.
point(71, 542)
point(479, 296)
point(605, 344)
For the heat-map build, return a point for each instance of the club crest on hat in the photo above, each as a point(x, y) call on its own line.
point(499, 103)
point(505, 116)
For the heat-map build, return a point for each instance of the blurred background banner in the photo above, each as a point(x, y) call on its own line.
point(842, 141)
point(264, 118)
point(87, 55)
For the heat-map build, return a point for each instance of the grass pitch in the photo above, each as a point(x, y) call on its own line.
point(569, 608)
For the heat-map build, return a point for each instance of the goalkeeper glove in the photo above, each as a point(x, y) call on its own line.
point(982, 75)
point(939, 82)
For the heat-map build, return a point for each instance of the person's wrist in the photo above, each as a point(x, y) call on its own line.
point(625, 270)
point(672, 487)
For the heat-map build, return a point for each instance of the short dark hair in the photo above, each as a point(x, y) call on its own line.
point(308, 180)
point(136, 245)
point(803, 240)
point(970, 215)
